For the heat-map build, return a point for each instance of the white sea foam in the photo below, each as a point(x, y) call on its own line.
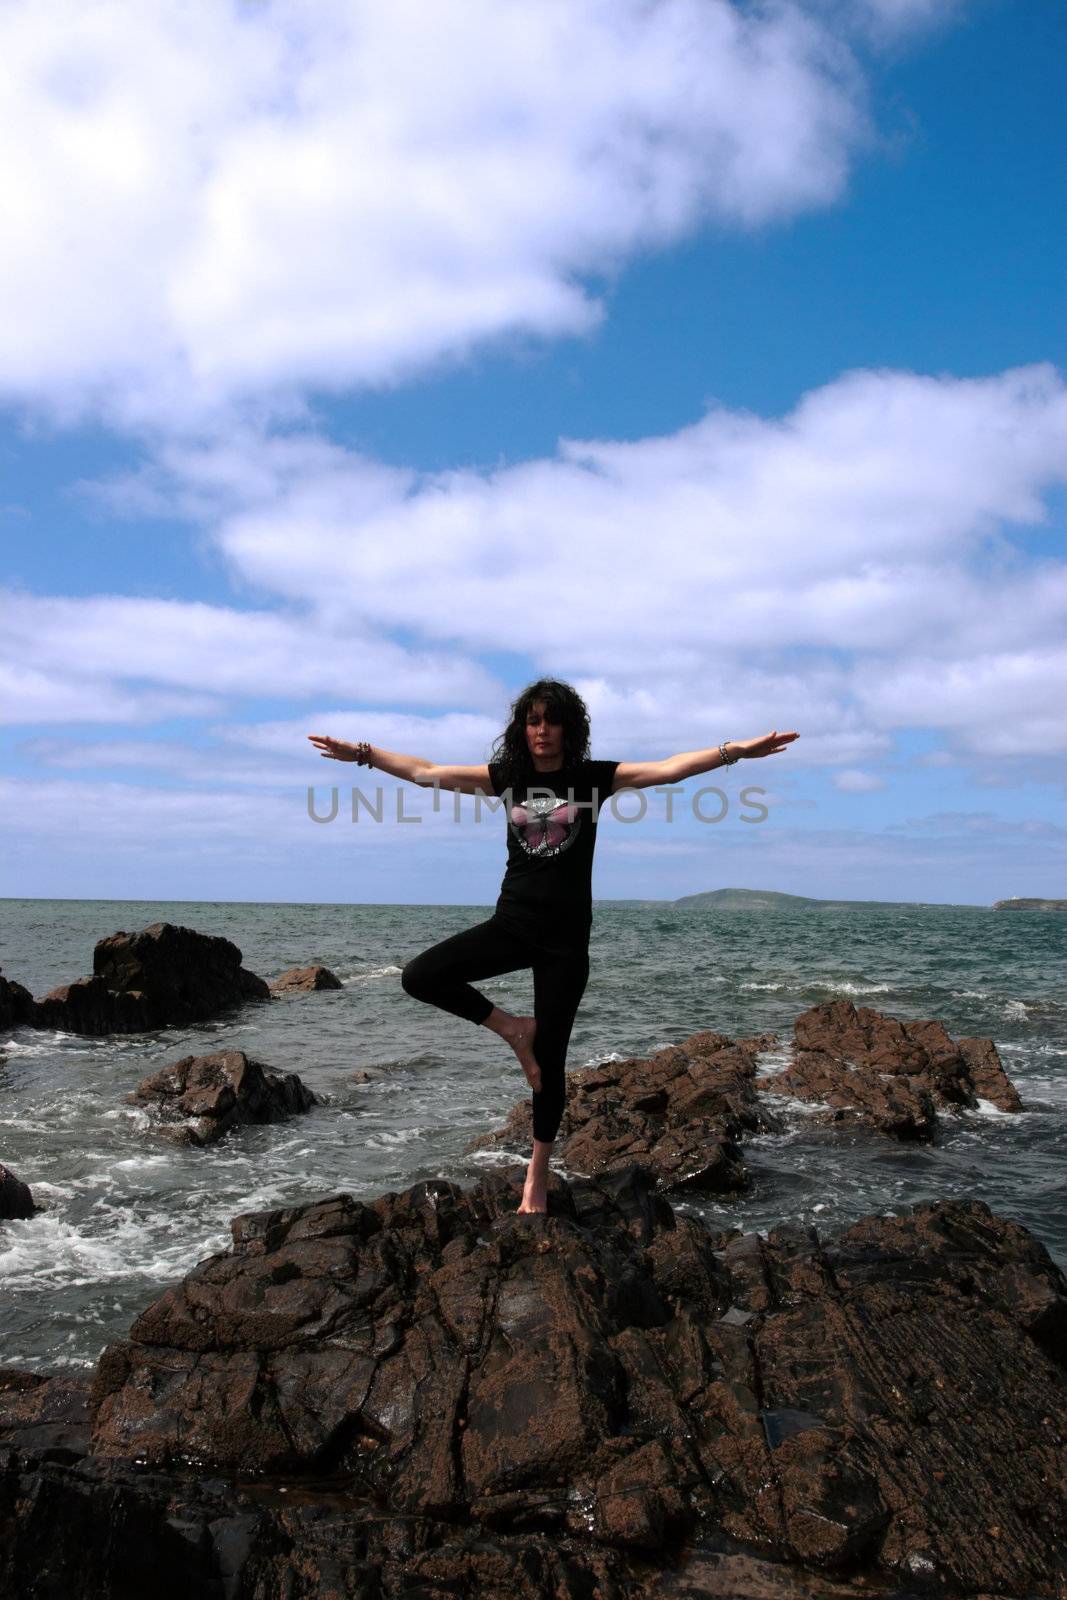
point(45, 1044)
point(366, 972)
point(770, 1062)
point(498, 1158)
point(986, 1108)
point(786, 1103)
point(378, 1141)
point(848, 986)
point(47, 1249)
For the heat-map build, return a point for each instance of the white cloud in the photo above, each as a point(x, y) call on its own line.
point(848, 570)
point(1002, 703)
point(854, 781)
point(213, 204)
point(278, 754)
point(28, 696)
point(825, 529)
point(65, 655)
point(890, 18)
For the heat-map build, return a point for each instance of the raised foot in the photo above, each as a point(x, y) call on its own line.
point(521, 1041)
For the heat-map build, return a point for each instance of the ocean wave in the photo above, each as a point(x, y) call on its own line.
point(348, 978)
point(850, 986)
point(43, 1043)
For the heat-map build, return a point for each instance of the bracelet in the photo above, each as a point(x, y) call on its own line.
point(727, 761)
point(363, 750)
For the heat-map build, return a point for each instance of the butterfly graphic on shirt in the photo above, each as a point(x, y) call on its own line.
point(545, 826)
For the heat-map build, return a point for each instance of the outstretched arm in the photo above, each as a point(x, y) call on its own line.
point(414, 769)
point(675, 769)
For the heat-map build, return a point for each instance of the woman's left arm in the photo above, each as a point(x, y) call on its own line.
point(675, 769)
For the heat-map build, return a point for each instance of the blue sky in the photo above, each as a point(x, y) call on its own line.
point(707, 356)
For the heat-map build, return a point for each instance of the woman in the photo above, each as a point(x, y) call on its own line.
point(552, 795)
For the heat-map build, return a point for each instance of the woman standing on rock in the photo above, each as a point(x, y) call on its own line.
point(552, 795)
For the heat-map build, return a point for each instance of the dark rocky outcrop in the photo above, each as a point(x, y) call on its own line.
point(895, 1076)
point(303, 980)
point(16, 1003)
point(16, 1201)
point(164, 976)
point(681, 1113)
point(429, 1395)
point(200, 1098)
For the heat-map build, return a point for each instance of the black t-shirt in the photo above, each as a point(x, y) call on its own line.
point(551, 830)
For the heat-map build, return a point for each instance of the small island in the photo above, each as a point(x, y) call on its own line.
point(1017, 904)
point(762, 900)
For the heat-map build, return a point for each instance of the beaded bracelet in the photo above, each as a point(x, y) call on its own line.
point(727, 761)
point(363, 750)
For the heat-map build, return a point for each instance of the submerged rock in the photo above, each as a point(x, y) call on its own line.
point(16, 1201)
point(162, 977)
point(206, 1096)
point(896, 1076)
point(429, 1394)
point(304, 980)
point(681, 1113)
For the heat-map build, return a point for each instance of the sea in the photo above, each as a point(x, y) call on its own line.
point(125, 1213)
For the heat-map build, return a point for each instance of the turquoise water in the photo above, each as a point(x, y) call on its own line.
point(126, 1214)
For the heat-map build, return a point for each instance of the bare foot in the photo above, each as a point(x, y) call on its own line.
point(521, 1038)
point(534, 1196)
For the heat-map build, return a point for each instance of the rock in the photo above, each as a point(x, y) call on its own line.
point(895, 1076)
point(680, 1113)
point(304, 979)
point(208, 1095)
point(16, 1201)
point(45, 1417)
point(988, 1078)
point(16, 1003)
point(429, 1394)
point(164, 976)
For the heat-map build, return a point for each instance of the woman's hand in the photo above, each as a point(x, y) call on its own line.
point(333, 749)
point(769, 745)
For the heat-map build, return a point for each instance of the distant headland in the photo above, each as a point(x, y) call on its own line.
point(1018, 904)
point(774, 900)
point(762, 900)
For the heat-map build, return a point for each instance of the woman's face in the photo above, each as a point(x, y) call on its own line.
point(544, 738)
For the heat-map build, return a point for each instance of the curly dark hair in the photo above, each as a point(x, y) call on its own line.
point(562, 704)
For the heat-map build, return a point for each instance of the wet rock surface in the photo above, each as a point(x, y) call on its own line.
point(16, 1003)
point(303, 980)
point(680, 1113)
point(163, 976)
point(16, 1201)
point(894, 1076)
point(427, 1394)
point(200, 1098)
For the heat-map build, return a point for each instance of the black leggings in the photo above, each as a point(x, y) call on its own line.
point(441, 976)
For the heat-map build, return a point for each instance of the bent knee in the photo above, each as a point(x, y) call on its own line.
point(412, 979)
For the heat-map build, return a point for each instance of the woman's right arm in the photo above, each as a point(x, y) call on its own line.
point(414, 769)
